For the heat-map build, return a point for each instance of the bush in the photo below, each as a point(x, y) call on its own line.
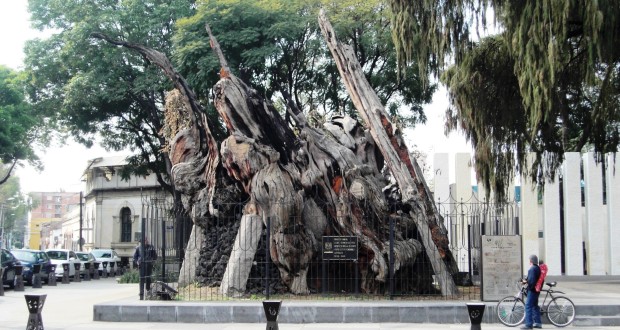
point(130, 276)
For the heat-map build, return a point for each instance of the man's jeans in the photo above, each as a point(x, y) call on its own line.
point(532, 312)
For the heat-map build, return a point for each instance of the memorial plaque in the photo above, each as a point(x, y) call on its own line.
point(339, 248)
point(501, 266)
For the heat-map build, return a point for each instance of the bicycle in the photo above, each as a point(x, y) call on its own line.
point(560, 310)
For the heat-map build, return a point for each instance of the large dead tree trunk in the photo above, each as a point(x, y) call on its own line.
point(397, 157)
point(308, 182)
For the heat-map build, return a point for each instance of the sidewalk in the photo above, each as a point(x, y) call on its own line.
point(70, 306)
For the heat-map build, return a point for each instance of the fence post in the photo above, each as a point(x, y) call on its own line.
point(141, 265)
point(391, 258)
point(163, 250)
point(267, 257)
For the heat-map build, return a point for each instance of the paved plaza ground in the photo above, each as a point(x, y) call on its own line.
point(70, 306)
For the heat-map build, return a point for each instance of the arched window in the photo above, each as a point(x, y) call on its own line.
point(125, 224)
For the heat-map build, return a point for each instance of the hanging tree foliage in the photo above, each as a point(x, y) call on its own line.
point(561, 95)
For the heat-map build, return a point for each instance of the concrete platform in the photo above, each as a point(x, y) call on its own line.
point(597, 301)
point(104, 304)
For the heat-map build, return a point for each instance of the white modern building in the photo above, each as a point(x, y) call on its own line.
point(573, 224)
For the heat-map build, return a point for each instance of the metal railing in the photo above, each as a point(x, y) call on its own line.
point(404, 276)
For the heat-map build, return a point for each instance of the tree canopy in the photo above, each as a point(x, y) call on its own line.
point(18, 123)
point(96, 90)
point(548, 83)
point(276, 46)
point(92, 88)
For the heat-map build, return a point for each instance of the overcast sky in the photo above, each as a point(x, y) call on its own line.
point(64, 165)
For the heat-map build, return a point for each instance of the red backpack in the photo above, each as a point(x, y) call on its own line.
point(541, 278)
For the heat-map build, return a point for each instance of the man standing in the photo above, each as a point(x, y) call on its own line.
point(144, 257)
point(532, 312)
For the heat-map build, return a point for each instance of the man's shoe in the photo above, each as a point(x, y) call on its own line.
point(537, 326)
point(525, 327)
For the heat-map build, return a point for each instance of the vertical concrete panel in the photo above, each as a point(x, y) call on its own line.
point(441, 177)
point(529, 219)
point(463, 193)
point(613, 213)
point(573, 226)
point(462, 176)
point(551, 227)
point(596, 225)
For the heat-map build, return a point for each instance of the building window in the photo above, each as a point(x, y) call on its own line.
point(125, 224)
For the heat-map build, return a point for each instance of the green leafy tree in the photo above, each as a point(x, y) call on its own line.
point(95, 90)
point(276, 45)
point(13, 213)
point(19, 125)
point(548, 83)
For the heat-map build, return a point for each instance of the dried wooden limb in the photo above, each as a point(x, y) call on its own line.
point(192, 152)
point(396, 156)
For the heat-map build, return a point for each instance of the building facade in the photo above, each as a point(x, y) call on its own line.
point(112, 207)
point(51, 207)
point(573, 223)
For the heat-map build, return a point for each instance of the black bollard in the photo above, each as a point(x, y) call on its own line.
point(35, 306)
point(19, 278)
point(51, 276)
point(96, 271)
point(76, 276)
point(1, 286)
point(87, 271)
point(36, 276)
point(65, 273)
point(272, 309)
point(104, 273)
point(112, 268)
point(475, 311)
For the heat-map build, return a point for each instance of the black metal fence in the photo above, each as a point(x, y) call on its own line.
point(195, 263)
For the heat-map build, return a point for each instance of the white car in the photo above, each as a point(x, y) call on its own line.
point(107, 255)
point(85, 258)
point(61, 256)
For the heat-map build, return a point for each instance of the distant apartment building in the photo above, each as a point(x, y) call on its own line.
point(50, 208)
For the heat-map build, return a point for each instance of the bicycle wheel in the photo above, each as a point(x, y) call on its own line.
point(561, 311)
point(511, 311)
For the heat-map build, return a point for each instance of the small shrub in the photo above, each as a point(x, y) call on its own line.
point(131, 276)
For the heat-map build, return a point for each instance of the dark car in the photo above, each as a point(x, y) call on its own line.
point(8, 262)
point(30, 258)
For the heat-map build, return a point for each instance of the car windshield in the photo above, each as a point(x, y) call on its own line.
point(83, 256)
point(57, 255)
point(102, 254)
point(42, 256)
point(26, 256)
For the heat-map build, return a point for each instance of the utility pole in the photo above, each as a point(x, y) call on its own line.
point(81, 224)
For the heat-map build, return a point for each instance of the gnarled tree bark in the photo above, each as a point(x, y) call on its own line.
point(412, 186)
point(310, 182)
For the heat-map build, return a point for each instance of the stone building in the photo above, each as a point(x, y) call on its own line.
point(112, 207)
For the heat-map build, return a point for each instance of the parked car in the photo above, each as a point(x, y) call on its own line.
point(61, 256)
point(108, 255)
point(85, 258)
point(30, 258)
point(8, 262)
